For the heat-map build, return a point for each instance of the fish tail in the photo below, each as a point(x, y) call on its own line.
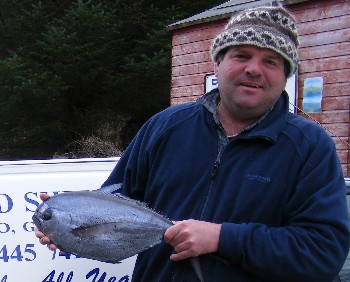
point(197, 268)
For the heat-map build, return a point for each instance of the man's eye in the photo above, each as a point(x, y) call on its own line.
point(271, 63)
point(240, 56)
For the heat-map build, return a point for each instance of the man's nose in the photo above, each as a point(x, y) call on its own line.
point(253, 68)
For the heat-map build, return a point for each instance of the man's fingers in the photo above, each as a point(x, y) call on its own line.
point(183, 255)
point(52, 247)
point(182, 247)
point(44, 240)
point(191, 238)
point(44, 197)
point(38, 233)
point(170, 236)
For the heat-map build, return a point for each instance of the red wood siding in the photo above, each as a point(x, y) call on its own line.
point(324, 30)
point(191, 60)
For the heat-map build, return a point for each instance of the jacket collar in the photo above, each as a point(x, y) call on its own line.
point(268, 127)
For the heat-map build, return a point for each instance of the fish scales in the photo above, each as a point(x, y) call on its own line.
point(100, 226)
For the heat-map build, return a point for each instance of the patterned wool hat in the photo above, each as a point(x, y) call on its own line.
point(266, 27)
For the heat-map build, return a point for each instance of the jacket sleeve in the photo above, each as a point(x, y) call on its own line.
point(313, 244)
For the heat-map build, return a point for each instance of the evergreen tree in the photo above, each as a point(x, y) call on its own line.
point(71, 70)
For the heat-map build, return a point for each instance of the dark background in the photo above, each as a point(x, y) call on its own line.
point(79, 78)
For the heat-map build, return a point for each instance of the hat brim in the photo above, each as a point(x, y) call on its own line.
point(259, 37)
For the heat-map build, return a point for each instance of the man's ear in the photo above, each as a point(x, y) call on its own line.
point(216, 67)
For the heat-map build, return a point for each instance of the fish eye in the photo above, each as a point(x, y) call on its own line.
point(47, 214)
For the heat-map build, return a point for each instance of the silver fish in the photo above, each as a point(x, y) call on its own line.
point(102, 226)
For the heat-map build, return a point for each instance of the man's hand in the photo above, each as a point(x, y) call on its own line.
point(191, 238)
point(43, 239)
point(44, 197)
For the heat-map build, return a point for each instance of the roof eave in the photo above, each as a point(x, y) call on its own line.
point(198, 21)
point(217, 15)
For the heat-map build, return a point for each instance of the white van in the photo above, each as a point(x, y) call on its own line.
point(22, 257)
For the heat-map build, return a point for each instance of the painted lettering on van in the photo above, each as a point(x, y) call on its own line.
point(6, 203)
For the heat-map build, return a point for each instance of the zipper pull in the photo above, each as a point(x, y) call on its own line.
point(215, 169)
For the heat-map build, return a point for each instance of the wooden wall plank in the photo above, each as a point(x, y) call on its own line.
point(191, 47)
point(323, 25)
point(187, 91)
point(187, 80)
point(325, 64)
point(201, 68)
point(191, 59)
point(324, 51)
point(324, 38)
point(333, 76)
point(197, 33)
point(324, 10)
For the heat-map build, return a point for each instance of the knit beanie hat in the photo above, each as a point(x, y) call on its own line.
point(265, 27)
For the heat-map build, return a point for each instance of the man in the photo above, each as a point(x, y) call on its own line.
point(257, 193)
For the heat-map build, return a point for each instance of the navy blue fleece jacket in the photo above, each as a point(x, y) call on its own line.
point(277, 190)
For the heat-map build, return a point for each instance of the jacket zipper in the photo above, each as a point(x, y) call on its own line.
point(215, 169)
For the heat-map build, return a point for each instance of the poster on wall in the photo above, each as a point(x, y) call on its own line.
point(312, 96)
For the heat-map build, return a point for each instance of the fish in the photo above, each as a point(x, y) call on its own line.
point(102, 225)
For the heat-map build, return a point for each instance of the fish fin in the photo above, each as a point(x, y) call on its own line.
point(120, 196)
point(115, 190)
point(197, 268)
point(111, 189)
point(94, 229)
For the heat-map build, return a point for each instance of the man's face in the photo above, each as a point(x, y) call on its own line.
point(250, 79)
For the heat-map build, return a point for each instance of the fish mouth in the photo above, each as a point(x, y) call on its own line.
point(38, 215)
point(36, 220)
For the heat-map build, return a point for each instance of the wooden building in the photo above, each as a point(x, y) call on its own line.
point(324, 33)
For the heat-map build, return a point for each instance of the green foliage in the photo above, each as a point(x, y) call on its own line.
point(29, 105)
point(72, 71)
